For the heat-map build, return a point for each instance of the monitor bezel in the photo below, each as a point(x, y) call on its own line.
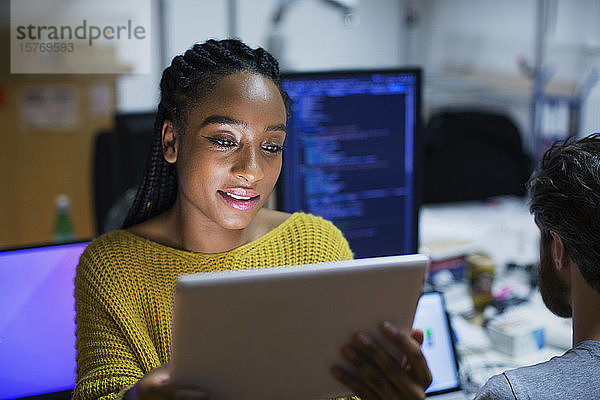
point(452, 340)
point(38, 245)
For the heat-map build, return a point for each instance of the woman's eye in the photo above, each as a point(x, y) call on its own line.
point(273, 148)
point(221, 142)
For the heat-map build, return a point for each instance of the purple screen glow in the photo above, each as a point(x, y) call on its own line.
point(37, 320)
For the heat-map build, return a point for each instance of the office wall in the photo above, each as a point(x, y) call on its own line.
point(480, 53)
point(313, 35)
point(472, 35)
point(473, 51)
point(574, 49)
point(140, 92)
point(488, 35)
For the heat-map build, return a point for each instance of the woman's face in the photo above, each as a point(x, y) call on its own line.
point(229, 157)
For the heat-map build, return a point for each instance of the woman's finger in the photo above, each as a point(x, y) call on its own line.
point(372, 375)
point(418, 335)
point(156, 385)
point(398, 381)
point(411, 350)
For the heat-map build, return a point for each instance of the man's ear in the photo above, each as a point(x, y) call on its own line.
point(170, 142)
point(559, 253)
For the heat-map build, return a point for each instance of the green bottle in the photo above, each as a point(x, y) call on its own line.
point(63, 229)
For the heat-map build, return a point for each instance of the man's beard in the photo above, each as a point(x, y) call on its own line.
point(553, 289)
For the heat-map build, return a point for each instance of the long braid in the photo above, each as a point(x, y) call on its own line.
point(184, 83)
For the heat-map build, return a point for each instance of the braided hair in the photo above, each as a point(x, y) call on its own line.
point(188, 79)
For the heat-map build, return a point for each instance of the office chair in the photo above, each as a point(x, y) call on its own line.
point(119, 159)
point(472, 155)
point(106, 178)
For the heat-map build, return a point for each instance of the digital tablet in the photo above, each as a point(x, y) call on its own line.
point(274, 333)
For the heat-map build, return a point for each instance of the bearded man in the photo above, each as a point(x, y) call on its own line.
point(565, 202)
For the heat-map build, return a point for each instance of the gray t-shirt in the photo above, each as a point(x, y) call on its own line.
point(574, 375)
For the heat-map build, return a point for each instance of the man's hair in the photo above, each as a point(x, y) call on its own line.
point(564, 195)
point(184, 84)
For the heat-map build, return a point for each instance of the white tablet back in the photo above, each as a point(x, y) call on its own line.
point(273, 333)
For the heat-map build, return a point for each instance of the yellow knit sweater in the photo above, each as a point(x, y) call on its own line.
point(123, 292)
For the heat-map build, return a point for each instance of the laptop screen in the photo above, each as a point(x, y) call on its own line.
point(438, 345)
point(37, 321)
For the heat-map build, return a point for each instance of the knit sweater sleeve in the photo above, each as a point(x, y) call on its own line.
point(107, 365)
point(315, 239)
point(345, 253)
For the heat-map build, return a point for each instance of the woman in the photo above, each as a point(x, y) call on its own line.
point(216, 156)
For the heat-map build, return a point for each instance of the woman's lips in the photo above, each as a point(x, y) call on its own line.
point(240, 199)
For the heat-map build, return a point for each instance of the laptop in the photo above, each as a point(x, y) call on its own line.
point(438, 347)
point(275, 332)
point(37, 321)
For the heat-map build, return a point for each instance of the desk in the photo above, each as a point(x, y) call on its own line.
point(501, 227)
point(504, 229)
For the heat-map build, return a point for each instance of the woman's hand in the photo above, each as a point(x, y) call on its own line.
point(156, 385)
point(381, 374)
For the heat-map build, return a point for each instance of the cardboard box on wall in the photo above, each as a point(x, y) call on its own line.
point(49, 126)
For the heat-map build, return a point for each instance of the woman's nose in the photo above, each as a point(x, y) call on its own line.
point(248, 166)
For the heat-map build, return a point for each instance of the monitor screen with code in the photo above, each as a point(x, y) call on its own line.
point(350, 155)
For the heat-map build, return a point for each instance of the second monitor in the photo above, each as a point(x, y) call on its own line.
point(350, 155)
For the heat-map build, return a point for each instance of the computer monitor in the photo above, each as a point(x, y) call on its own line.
point(350, 155)
point(37, 321)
